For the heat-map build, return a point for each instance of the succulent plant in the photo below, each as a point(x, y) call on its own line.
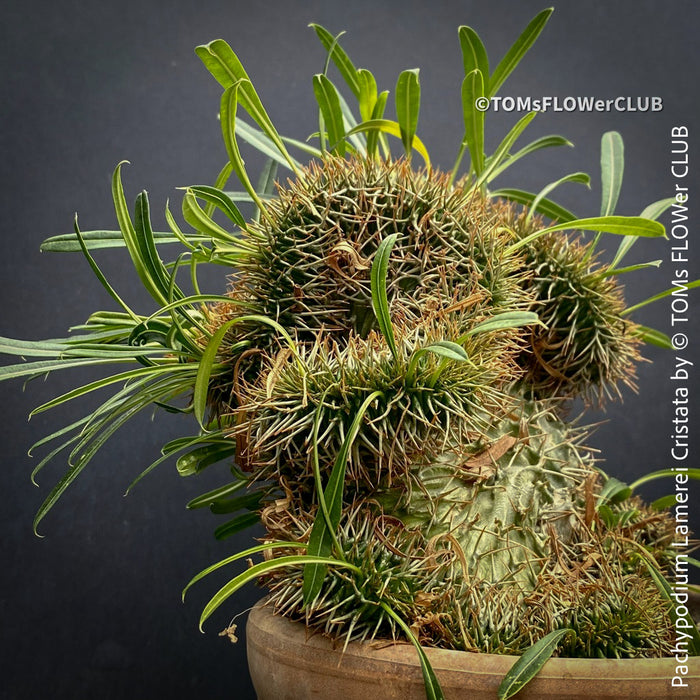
point(389, 375)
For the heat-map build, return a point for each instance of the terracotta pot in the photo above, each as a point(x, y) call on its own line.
point(288, 664)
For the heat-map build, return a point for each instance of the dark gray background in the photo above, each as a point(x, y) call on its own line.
point(94, 609)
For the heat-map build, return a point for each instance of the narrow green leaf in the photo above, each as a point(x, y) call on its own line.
point(665, 589)
point(240, 555)
point(266, 182)
point(357, 141)
point(502, 321)
point(375, 136)
point(220, 200)
point(131, 238)
point(545, 206)
point(516, 52)
point(443, 348)
point(320, 539)
point(433, 691)
point(503, 149)
point(408, 107)
point(653, 337)
point(225, 66)
point(653, 211)
point(329, 104)
point(28, 369)
point(613, 491)
point(149, 253)
point(196, 217)
point(472, 90)
point(95, 240)
point(619, 225)
point(530, 663)
point(265, 567)
point(662, 295)
point(664, 473)
point(238, 524)
point(536, 145)
point(581, 178)
point(215, 495)
point(380, 300)
point(339, 57)
point(630, 268)
point(474, 54)
point(229, 106)
point(368, 93)
point(248, 501)
point(390, 127)
point(208, 358)
point(664, 502)
point(260, 142)
point(612, 164)
point(114, 379)
point(198, 459)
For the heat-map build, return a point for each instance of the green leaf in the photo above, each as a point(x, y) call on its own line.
point(630, 268)
point(216, 495)
point(612, 164)
point(653, 337)
point(516, 52)
point(201, 457)
point(665, 589)
point(339, 57)
point(114, 379)
point(502, 151)
point(653, 211)
point(502, 321)
point(94, 240)
point(530, 663)
point(248, 501)
point(321, 539)
point(380, 301)
point(224, 65)
point(661, 295)
point(208, 358)
point(473, 89)
point(220, 200)
point(581, 178)
point(443, 348)
point(375, 136)
point(266, 182)
point(368, 94)
point(196, 217)
point(433, 691)
point(329, 104)
point(28, 369)
point(390, 127)
point(546, 206)
point(536, 145)
point(261, 143)
point(238, 524)
point(229, 106)
point(408, 107)
point(663, 473)
point(664, 502)
point(139, 255)
point(265, 567)
point(613, 491)
point(239, 555)
point(474, 54)
point(619, 225)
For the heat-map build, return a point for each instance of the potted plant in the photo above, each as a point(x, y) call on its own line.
point(389, 375)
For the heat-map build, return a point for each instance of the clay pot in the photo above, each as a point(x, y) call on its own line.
point(286, 663)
